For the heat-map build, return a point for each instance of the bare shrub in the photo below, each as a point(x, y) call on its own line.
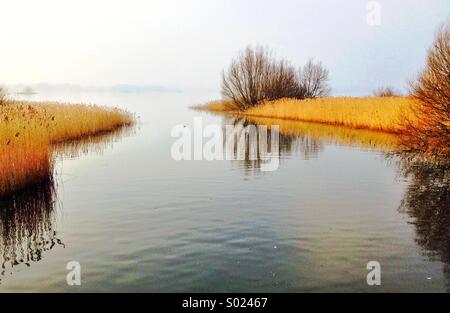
point(313, 78)
point(280, 82)
point(429, 132)
point(2, 96)
point(255, 75)
point(386, 91)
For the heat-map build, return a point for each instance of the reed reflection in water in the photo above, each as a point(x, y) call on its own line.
point(28, 219)
point(27, 227)
point(426, 200)
point(327, 134)
point(92, 144)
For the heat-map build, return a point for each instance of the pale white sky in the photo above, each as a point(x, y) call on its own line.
point(185, 44)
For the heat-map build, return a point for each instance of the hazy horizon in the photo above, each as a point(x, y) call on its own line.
point(184, 45)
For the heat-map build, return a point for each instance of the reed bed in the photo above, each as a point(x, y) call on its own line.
point(361, 138)
point(28, 129)
point(372, 113)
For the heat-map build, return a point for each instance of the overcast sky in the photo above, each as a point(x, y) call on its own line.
point(185, 44)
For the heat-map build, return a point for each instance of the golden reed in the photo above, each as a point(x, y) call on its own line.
point(371, 113)
point(28, 129)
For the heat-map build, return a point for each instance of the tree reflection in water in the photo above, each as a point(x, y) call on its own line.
point(427, 203)
point(306, 147)
point(426, 200)
point(27, 226)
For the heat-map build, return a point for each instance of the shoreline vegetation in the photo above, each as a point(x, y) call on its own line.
point(332, 134)
point(29, 130)
point(260, 86)
point(378, 114)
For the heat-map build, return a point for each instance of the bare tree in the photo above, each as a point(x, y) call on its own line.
point(255, 75)
point(313, 78)
point(245, 76)
point(429, 131)
point(280, 82)
point(386, 91)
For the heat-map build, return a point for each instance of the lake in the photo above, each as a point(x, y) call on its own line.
point(137, 220)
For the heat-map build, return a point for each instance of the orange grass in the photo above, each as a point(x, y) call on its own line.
point(27, 130)
point(372, 113)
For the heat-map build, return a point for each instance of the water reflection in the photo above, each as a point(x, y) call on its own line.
point(28, 219)
point(287, 144)
point(328, 134)
point(307, 140)
point(92, 144)
point(427, 197)
point(427, 203)
point(27, 226)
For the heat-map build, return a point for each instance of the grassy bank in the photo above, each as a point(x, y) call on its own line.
point(370, 113)
point(28, 129)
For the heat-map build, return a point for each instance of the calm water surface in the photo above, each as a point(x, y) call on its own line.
point(136, 220)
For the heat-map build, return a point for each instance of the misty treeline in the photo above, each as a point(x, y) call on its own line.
point(256, 75)
point(429, 131)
